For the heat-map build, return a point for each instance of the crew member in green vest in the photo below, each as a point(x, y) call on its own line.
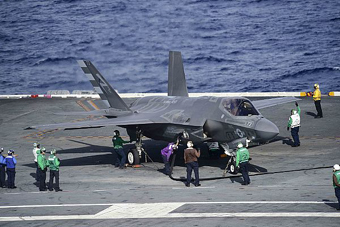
point(42, 164)
point(336, 182)
point(242, 158)
point(54, 164)
point(118, 148)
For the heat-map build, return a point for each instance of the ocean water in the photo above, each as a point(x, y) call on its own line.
point(226, 45)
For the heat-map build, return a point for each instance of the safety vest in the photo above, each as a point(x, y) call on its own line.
point(10, 162)
point(317, 95)
point(53, 162)
point(242, 155)
point(42, 163)
point(295, 120)
point(35, 153)
point(337, 175)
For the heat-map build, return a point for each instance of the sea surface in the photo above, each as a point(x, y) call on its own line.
point(226, 45)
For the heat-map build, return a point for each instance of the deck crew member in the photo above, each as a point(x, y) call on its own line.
point(42, 163)
point(11, 163)
point(317, 100)
point(166, 153)
point(36, 147)
point(242, 159)
point(54, 163)
point(2, 169)
point(294, 125)
point(336, 182)
point(191, 156)
point(118, 148)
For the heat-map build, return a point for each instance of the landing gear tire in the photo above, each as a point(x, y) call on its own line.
point(232, 167)
point(133, 157)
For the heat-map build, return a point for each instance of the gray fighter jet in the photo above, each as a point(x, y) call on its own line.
point(178, 117)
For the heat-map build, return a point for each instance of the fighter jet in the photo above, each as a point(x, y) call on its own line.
point(177, 117)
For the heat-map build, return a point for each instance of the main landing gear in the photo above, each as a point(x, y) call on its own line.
point(134, 155)
point(231, 164)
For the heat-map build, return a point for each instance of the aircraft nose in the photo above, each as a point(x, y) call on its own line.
point(266, 129)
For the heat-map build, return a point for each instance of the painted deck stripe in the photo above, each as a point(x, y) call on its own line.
point(155, 204)
point(165, 210)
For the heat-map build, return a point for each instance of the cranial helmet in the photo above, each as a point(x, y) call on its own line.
point(53, 151)
point(10, 152)
point(116, 133)
point(336, 167)
point(293, 111)
point(316, 86)
point(43, 149)
point(35, 145)
point(239, 145)
point(190, 144)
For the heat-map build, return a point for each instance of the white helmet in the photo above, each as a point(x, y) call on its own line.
point(336, 167)
point(190, 144)
point(239, 145)
point(35, 145)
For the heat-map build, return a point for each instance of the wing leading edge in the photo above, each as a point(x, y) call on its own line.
point(92, 124)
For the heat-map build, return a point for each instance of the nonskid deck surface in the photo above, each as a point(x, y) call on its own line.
point(97, 194)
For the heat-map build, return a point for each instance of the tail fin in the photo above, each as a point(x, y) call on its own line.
point(177, 85)
point(108, 95)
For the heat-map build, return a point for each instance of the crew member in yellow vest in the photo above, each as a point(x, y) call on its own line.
point(336, 182)
point(317, 100)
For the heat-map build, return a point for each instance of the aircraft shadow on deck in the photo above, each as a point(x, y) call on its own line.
point(153, 149)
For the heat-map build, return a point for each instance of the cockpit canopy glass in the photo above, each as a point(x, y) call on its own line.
point(239, 107)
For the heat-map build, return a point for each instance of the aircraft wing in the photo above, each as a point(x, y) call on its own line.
point(92, 124)
point(264, 103)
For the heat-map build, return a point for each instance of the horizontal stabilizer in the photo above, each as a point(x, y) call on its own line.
point(264, 103)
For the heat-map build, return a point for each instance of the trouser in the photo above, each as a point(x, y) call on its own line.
point(10, 177)
point(295, 135)
point(2, 175)
point(36, 171)
point(337, 194)
point(121, 157)
point(42, 180)
point(244, 171)
point(190, 166)
point(166, 164)
point(54, 174)
point(318, 108)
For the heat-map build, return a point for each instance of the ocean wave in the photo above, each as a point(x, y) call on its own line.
point(56, 60)
point(307, 72)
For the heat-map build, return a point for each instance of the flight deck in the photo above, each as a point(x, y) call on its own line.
point(290, 186)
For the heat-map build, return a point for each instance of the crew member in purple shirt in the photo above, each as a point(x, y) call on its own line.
point(166, 153)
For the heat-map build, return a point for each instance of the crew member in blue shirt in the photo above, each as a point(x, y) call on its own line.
point(10, 163)
point(2, 170)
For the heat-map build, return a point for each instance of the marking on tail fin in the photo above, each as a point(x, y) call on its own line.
point(107, 94)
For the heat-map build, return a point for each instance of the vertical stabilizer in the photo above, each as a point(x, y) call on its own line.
point(108, 95)
point(177, 85)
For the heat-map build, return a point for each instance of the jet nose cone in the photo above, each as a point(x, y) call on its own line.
point(266, 130)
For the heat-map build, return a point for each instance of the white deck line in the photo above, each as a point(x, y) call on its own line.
point(165, 210)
